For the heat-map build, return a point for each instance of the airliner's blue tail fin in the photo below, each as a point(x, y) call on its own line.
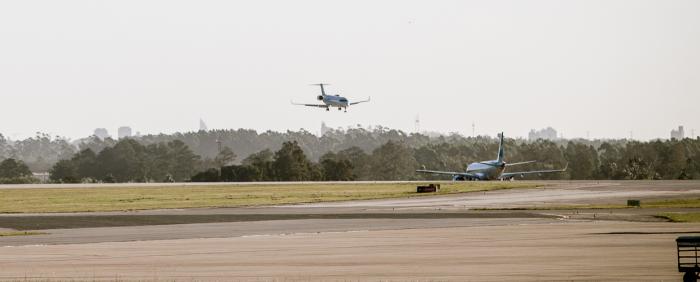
point(500, 149)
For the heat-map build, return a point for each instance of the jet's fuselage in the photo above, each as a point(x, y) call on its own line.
point(335, 101)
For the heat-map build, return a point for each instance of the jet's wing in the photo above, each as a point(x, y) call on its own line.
point(453, 173)
point(513, 174)
point(520, 163)
point(311, 105)
point(355, 103)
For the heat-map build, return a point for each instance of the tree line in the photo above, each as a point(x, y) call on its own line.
point(656, 160)
point(129, 161)
point(15, 172)
point(42, 151)
point(390, 155)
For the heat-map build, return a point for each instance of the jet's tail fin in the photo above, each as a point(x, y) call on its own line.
point(501, 152)
point(323, 91)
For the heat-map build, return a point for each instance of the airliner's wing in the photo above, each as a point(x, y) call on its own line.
point(522, 173)
point(355, 103)
point(311, 105)
point(453, 173)
point(520, 163)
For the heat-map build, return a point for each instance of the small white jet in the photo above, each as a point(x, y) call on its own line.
point(331, 101)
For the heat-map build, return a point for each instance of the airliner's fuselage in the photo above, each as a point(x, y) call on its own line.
point(488, 170)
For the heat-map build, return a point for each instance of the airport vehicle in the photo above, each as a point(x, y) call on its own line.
point(688, 259)
point(491, 170)
point(331, 101)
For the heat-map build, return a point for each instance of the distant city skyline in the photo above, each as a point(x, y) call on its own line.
point(548, 133)
point(604, 69)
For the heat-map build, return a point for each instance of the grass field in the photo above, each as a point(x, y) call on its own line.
point(142, 198)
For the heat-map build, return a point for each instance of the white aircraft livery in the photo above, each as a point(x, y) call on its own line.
point(331, 101)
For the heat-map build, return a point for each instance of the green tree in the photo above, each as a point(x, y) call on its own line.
point(359, 160)
point(610, 161)
point(335, 168)
point(225, 157)
point(261, 157)
point(11, 168)
point(64, 171)
point(638, 169)
point(85, 163)
point(96, 144)
point(290, 164)
point(262, 162)
point(184, 161)
point(583, 160)
point(393, 161)
point(209, 175)
point(124, 162)
point(240, 173)
point(158, 162)
point(675, 161)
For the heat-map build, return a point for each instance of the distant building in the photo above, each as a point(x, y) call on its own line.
point(101, 133)
point(124, 132)
point(325, 129)
point(202, 125)
point(548, 133)
point(678, 134)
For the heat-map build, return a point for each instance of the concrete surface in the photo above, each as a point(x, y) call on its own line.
point(569, 247)
point(523, 252)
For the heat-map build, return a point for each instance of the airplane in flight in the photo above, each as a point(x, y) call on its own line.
point(331, 101)
point(491, 170)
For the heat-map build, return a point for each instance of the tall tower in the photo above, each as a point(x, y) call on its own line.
point(417, 124)
point(202, 125)
point(324, 128)
point(473, 129)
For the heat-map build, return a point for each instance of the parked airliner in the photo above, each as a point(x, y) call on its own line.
point(491, 170)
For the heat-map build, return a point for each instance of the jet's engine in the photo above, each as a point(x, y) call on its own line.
point(320, 97)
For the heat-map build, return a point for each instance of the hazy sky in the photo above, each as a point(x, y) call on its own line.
point(607, 67)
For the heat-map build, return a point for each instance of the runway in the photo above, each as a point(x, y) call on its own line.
point(441, 238)
point(523, 252)
point(555, 193)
